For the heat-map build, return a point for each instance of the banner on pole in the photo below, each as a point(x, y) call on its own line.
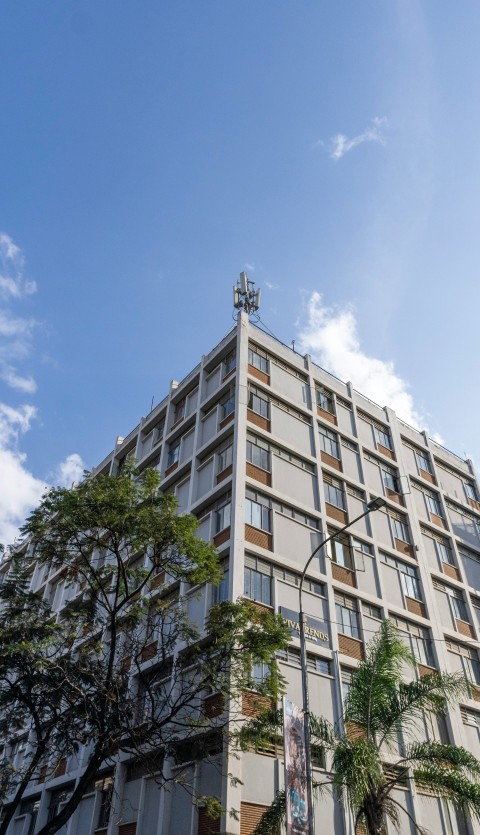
point(295, 769)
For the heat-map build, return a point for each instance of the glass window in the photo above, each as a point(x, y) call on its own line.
point(422, 650)
point(342, 552)
point(423, 461)
point(334, 493)
point(258, 586)
point(225, 458)
point(179, 413)
point(434, 503)
point(383, 437)
point(320, 665)
point(347, 620)
point(444, 551)
point(230, 362)
point(329, 442)
point(472, 668)
point(258, 515)
point(258, 454)
point(346, 679)
point(325, 400)
point(222, 517)
point(258, 360)
point(260, 673)
point(158, 431)
point(220, 592)
point(459, 607)
point(400, 529)
point(390, 480)
point(173, 454)
point(410, 581)
point(471, 491)
point(258, 404)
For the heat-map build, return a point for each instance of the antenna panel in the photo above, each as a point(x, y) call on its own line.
point(243, 283)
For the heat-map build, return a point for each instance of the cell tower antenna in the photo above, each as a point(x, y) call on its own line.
point(246, 298)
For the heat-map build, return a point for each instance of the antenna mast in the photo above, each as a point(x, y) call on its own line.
point(245, 297)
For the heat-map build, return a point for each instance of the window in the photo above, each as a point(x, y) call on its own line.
point(433, 503)
point(471, 491)
point(390, 479)
point(408, 576)
point(257, 511)
point(444, 551)
point(382, 436)
point(230, 362)
point(258, 453)
point(347, 616)
point(459, 606)
point(105, 787)
point(423, 460)
point(220, 592)
point(418, 639)
point(227, 404)
point(410, 581)
point(372, 611)
point(258, 586)
point(341, 552)
point(329, 442)
point(346, 680)
point(179, 412)
point(469, 660)
point(325, 399)
point(222, 516)
point(334, 493)
point(158, 431)
point(258, 402)
point(258, 358)
point(319, 665)
point(173, 454)
point(400, 527)
point(364, 547)
point(260, 673)
point(225, 458)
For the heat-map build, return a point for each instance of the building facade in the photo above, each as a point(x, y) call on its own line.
point(273, 454)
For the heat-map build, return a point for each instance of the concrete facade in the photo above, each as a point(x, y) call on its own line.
point(272, 454)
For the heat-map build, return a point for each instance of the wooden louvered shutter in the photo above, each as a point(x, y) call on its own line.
point(250, 814)
point(206, 824)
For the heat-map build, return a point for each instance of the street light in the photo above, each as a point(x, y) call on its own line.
point(374, 504)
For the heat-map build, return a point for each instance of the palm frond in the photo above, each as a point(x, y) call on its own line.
point(322, 732)
point(451, 784)
point(446, 756)
point(260, 729)
point(273, 818)
point(411, 700)
point(376, 679)
point(357, 769)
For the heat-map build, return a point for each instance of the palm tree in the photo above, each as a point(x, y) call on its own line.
point(367, 760)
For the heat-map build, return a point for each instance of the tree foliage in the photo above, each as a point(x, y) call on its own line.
point(120, 667)
point(365, 759)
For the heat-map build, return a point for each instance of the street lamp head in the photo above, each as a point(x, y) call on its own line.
point(377, 503)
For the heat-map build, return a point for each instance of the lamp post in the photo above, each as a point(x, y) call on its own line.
point(374, 504)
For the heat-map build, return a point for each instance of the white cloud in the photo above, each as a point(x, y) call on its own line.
point(341, 144)
point(69, 470)
point(270, 286)
point(20, 491)
point(250, 267)
point(15, 331)
point(332, 339)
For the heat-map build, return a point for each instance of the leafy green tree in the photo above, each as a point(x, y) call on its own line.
point(366, 760)
point(126, 559)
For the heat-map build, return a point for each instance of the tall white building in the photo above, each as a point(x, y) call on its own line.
point(272, 454)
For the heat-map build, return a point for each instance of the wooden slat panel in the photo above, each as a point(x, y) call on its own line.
point(258, 474)
point(331, 461)
point(221, 537)
point(465, 628)
point(326, 415)
point(343, 575)
point(224, 474)
point(127, 828)
point(260, 375)
point(253, 703)
point(250, 815)
point(206, 824)
point(451, 571)
point(336, 513)
point(385, 451)
point(258, 420)
point(351, 646)
point(258, 537)
point(416, 607)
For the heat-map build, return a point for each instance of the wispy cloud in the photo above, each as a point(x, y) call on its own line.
point(331, 337)
point(340, 144)
point(270, 286)
point(20, 489)
point(250, 266)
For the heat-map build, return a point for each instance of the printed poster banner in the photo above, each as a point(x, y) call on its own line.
point(295, 769)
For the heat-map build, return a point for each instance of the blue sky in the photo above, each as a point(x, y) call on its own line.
point(150, 151)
